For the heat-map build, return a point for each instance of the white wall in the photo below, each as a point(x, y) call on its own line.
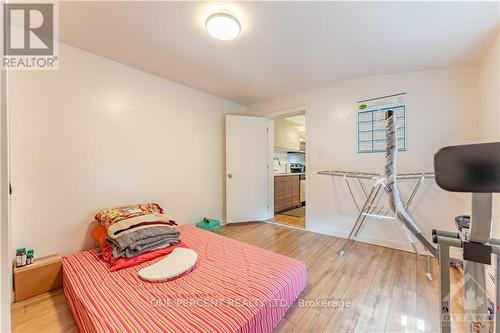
point(488, 128)
point(441, 107)
point(5, 260)
point(97, 134)
point(488, 94)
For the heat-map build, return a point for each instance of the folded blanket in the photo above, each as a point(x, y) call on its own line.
point(120, 263)
point(140, 241)
point(99, 233)
point(140, 249)
point(129, 239)
point(142, 225)
point(140, 222)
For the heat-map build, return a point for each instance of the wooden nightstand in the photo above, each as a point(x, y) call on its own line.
point(43, 275)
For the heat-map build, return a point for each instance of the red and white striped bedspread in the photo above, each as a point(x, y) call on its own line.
point(235, 287)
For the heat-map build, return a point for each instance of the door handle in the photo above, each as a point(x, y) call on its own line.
point(230, 175)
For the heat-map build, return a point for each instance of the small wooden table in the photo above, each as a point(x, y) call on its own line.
point(43, 275)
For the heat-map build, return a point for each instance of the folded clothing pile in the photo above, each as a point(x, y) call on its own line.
point(140, 241)
point(131, 235)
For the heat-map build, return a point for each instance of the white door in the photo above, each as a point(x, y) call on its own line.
point(246, 169)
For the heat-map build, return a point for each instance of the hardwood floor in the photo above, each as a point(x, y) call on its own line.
point(386, 289)
point(294, 221)
point(47, 312)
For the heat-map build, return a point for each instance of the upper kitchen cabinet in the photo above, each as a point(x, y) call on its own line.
point(287, 135)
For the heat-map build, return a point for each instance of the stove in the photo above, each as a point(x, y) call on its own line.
point(297, 168)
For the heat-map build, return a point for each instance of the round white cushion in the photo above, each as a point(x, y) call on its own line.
point(179, 261)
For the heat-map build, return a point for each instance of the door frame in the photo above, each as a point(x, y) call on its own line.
point(288, 112)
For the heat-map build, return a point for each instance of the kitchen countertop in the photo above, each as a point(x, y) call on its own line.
point(289, 174)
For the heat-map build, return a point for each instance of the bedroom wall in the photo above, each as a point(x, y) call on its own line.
point(488, 94)
point(5, 260)
point(441, 110)
point(488, 128)
point(96, 134)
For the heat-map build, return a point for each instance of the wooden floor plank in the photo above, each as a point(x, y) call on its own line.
point(294, 221)
point(285, 326)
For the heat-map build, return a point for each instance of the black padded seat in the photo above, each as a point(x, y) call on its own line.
point(469, 168)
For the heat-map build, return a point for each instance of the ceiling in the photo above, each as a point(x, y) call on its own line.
point(299, 120)
point(284, 47)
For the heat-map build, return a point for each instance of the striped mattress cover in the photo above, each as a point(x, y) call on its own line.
point(235, 287)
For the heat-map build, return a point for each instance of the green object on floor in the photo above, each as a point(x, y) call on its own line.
point(208, 224)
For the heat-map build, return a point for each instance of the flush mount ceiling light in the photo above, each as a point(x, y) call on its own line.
point(223, 26)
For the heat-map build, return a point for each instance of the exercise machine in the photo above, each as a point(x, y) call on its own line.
point(470, 168)
point(467, 168)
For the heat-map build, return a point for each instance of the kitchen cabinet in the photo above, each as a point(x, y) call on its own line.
point(286, 192)
point(302, 134)
point(287, 135)
point(302, 189)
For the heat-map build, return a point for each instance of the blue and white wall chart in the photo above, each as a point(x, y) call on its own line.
point(371, 122)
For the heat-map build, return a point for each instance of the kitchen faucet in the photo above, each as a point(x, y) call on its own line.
point(279, 162)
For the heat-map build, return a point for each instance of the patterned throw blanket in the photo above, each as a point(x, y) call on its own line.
point(110, 216)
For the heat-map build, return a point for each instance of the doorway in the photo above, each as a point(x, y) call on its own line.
point(273, 187)
point(289, 167)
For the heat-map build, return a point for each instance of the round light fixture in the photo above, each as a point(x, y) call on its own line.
point(223, 26)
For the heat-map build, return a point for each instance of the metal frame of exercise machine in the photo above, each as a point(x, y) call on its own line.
point(470, 168)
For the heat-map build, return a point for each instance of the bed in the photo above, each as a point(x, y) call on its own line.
point(235, 287)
